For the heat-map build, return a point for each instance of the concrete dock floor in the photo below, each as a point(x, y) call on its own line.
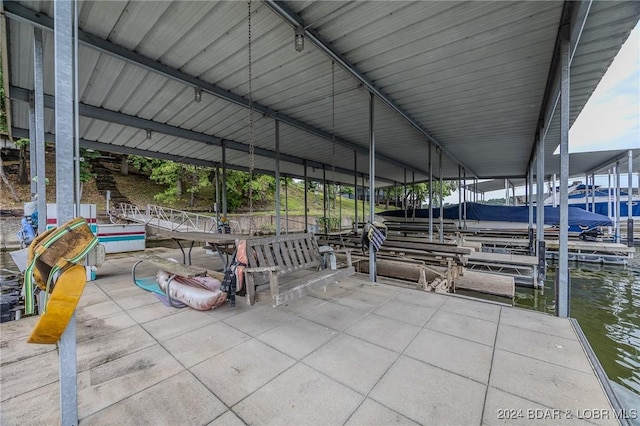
point(353, 353)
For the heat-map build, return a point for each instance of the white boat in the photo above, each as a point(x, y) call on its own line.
point(581, 195)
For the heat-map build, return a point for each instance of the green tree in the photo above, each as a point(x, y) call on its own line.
point(262, 187)
point(418, 194)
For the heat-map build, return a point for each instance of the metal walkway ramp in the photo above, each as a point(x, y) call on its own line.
point(170, 219)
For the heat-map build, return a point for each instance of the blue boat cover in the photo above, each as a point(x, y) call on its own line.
point(578, 218)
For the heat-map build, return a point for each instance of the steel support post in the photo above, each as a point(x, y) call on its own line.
point(364, 198)
point(217, 195)
point(355, 189)
point(63, 59)
point(306, 190)
point(224, 180)
point(540, 189)
point(405, 205)
point(464, 205)
point(459, 197)
point(593, 199)
point(430, 196)
point(630, 201)
point(530, 206)
point(38, 109)
point(76, 113)
point(413, 196)
point(609, 206)
point(277, 143)
point(506, 192)
point(33, 165)
point(587, 192)
point(475, 190)
point(530, 199)
point(372, 185)
point(324, 203)
point(617, 202)
point(441, 230)
point(563, 288)
point(340, 207)
point(286, 207)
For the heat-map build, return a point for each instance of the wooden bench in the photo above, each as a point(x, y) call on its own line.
point(173, 268)
point(272, 260)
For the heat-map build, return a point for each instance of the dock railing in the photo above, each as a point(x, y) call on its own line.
point(171, 219)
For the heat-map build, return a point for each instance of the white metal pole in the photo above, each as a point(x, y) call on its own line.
point(540, 187)
point(630, 187)
point(441, 231)
point(38, 109)
point(277, 175)
point(372, 182)
point(430, 196)
point(617, 203)
point(563, 289)
point(63, 59)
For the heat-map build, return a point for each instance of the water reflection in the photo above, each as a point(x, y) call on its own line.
point(606, 302)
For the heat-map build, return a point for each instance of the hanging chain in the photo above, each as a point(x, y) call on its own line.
point(251, 141)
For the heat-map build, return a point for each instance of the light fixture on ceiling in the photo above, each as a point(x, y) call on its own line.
point(198, 94)
point(299, 39)
point(148, 133)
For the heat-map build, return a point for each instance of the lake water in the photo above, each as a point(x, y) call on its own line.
point(606, 302)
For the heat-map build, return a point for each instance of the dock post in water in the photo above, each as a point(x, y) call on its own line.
point(542, 262)
point(630, 201)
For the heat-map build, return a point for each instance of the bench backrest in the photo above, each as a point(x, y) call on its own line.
point(291, 252)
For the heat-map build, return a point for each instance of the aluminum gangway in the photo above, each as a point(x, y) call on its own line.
point(169, 219)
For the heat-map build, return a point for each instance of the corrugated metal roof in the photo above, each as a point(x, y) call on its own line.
point(580, 163)
point(472, 73)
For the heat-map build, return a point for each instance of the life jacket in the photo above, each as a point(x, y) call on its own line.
point(57, 251)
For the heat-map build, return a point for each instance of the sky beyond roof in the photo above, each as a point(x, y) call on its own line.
point(611, 117)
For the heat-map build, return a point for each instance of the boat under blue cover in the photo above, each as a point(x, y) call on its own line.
point(579, 219)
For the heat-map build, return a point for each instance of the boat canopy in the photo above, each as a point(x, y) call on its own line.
point(577, 217)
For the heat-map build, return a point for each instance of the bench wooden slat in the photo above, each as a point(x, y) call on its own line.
point(305, 251)
point(267, 250)
point(277, 254)
point(299, 252)
point(259, 258)
point(291, 252)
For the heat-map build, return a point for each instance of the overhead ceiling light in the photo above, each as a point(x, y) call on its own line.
point(198, 94)
point(299, 40)
point(148, 133)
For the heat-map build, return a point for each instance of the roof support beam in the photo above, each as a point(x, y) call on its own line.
point(288, 15)
point(574, 14)
point(89, 111)
point(119, 149)
point(609, 162)
point(21, 13)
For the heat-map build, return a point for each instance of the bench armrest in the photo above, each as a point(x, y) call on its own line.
point(347, 252)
